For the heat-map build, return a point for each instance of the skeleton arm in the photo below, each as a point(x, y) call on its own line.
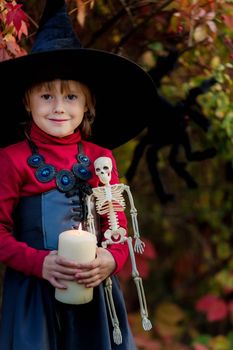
point(90, 217)
point(139, 245)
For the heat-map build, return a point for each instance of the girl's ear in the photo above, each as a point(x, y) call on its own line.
point(85, 108)
point(26, 104)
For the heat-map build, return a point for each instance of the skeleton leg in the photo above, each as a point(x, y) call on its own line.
point(146, 323)
point(117, 336)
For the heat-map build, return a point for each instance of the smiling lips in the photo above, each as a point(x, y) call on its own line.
point(58, 120)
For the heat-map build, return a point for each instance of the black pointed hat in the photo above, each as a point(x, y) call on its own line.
point(125, 94)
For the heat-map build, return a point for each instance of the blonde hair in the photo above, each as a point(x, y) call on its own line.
point(89, 115)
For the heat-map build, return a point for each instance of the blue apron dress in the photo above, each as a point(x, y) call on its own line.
point(31, 317)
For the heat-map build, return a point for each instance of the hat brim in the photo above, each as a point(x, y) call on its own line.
point(125, 94)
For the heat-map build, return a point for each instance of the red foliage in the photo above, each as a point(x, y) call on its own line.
point(15, 16)
point(204, 303)
point(200, 347)
point(217, 311)
point(14, 23)
point(228, 20)
point(215, 308)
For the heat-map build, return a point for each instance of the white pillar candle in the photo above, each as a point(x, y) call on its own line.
point(80, 246)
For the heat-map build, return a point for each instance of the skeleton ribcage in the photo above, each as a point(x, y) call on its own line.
point(111, 200)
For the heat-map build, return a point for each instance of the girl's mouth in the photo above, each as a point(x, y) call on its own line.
point(58, 120)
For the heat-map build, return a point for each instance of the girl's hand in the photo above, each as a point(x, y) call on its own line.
point(93, 273)
point(56, 268)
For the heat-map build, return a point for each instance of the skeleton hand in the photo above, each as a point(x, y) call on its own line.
point(139, 246)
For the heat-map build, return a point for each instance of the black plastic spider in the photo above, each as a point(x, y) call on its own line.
point(170, 128)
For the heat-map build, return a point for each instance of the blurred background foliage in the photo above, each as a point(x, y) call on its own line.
point(187, 267)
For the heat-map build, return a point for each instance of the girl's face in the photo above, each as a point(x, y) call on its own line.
point(57, 109)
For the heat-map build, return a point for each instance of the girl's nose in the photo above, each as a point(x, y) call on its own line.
point(59, 106)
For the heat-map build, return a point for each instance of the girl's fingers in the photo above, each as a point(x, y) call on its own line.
point(82, 275)
point(89, 266)
point(90, 282)
point(59, 275)
point(57, 283)
point(89, 279)
point(64, 262)
point(65, 270)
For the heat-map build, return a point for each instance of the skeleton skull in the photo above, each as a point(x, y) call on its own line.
point(103, 169)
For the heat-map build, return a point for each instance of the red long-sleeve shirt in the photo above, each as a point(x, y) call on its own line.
point(18, 180)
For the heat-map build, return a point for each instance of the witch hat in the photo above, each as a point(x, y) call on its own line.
point(125, 94)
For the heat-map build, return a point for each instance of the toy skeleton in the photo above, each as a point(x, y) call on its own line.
point(109, 200)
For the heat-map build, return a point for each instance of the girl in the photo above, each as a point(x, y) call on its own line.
point(47, 170)
point(61, 112)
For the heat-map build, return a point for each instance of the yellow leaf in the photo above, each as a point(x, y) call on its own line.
point(169, 313)
point(219, 343)
point(148, 59)
point(166, 330)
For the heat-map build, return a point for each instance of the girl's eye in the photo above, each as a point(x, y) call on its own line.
point(46, 97)
point(71, 97)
